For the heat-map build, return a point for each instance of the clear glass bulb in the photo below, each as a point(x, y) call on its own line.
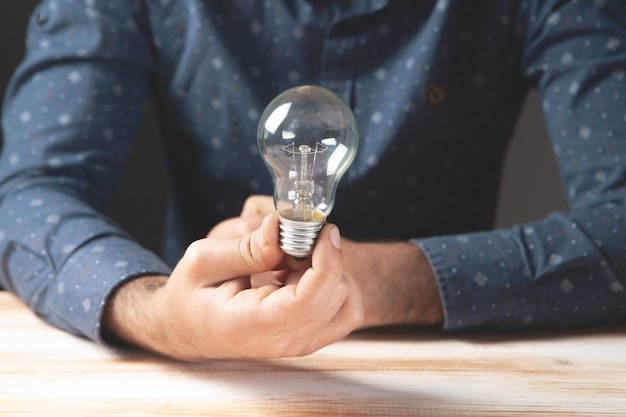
point(308, 138)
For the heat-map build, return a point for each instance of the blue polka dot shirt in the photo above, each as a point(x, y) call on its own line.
point(436, 87)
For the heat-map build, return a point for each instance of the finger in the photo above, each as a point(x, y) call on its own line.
point(242, 290)
point(235, 227)
point(258, 205)
point(307, 294)
point(280, 275)
point(235, 285)
point(344, 314)
point(211, 261)
point(321, 279)
point(266, 278)
point(348, 318)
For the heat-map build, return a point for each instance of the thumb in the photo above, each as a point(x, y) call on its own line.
point(211, 261)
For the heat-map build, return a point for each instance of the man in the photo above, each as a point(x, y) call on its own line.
point(436, 87)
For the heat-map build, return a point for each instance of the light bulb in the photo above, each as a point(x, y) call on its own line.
point(308, 138)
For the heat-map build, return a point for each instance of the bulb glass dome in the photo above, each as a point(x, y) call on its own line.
point(308, 138)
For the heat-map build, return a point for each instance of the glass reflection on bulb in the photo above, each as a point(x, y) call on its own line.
point(308, 138)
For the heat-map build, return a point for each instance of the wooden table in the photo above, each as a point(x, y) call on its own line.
point(392, 372)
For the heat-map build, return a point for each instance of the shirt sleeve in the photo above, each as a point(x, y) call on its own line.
point(568, 269)
point(69, 117)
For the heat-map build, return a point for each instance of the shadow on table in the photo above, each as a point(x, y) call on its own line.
point(327, 384)
point(283, 388)
point(323, 384)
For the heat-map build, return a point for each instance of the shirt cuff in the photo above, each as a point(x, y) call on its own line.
point(79, 297)
point(483, 280)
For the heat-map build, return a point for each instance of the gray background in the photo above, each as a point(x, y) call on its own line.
point(530, 186)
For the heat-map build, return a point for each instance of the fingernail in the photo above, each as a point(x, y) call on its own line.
point(335, 237)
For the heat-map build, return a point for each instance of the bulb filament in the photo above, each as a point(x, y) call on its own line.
point(304, 158)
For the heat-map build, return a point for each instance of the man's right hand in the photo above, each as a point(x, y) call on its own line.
point(208, 309)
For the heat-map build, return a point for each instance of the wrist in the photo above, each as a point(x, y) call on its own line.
point(430, 307)
point(129, 319)
point(397, 283)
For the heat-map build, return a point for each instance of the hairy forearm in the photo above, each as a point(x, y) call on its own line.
point(397, 283)
point(128, 317)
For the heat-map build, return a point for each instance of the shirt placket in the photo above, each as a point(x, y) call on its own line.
point(338, 62)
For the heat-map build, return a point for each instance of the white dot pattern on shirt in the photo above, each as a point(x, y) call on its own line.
point(213, 93)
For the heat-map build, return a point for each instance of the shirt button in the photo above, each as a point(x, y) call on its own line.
point(435, 94)
point(42, 18)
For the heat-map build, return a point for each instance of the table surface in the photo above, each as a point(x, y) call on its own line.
point(390, 372)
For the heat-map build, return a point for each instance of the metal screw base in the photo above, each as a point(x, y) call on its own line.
point(298, 238)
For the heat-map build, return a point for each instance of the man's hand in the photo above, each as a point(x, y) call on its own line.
point(209, 309)
point(395, 279)
point(235, 294)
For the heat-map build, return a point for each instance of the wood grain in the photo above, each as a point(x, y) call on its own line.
point(387, 372)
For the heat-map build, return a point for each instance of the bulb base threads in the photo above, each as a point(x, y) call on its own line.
point(298, 238)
